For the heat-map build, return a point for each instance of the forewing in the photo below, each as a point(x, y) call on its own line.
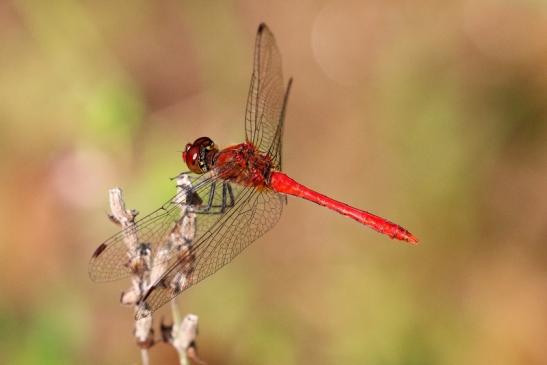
point(110, 260)
point(255, 213)
point(266, 92)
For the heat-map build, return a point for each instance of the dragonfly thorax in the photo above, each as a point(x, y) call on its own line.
point(244, 164)
point(199, 156)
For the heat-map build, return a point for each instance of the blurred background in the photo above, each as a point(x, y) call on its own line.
point(432, 114)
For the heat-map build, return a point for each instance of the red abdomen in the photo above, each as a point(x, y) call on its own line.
point(284, 184)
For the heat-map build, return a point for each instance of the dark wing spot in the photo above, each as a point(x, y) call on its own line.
point(99, 250)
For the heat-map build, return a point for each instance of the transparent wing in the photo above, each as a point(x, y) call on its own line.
point(254, 214)
point(110, 261)
point(275, 150)
point(266, 94)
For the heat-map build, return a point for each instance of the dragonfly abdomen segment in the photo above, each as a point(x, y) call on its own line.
point(284, 184)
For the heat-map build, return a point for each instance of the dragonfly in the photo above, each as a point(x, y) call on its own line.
point(239, 193)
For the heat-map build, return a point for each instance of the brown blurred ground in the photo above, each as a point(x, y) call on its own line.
point(433, 114)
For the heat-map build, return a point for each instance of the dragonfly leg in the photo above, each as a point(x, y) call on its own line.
point(227, 190)
point(209, 205)
point(223, 203)
point(231, 195)
point(227, 200)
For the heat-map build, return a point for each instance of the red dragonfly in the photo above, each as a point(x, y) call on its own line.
point(240, 190)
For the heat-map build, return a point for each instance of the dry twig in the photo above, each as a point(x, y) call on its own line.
point(148, 268)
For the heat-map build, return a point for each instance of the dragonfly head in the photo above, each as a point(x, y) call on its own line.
point(199, 155)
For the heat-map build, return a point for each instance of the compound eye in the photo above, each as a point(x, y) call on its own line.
point(185, 152)
point(204, 142)
point(191, 157)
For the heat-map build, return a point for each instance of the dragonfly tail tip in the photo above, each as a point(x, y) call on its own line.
point(411, 239)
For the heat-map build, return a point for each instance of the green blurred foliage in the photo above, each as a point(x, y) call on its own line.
point(433, 114)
